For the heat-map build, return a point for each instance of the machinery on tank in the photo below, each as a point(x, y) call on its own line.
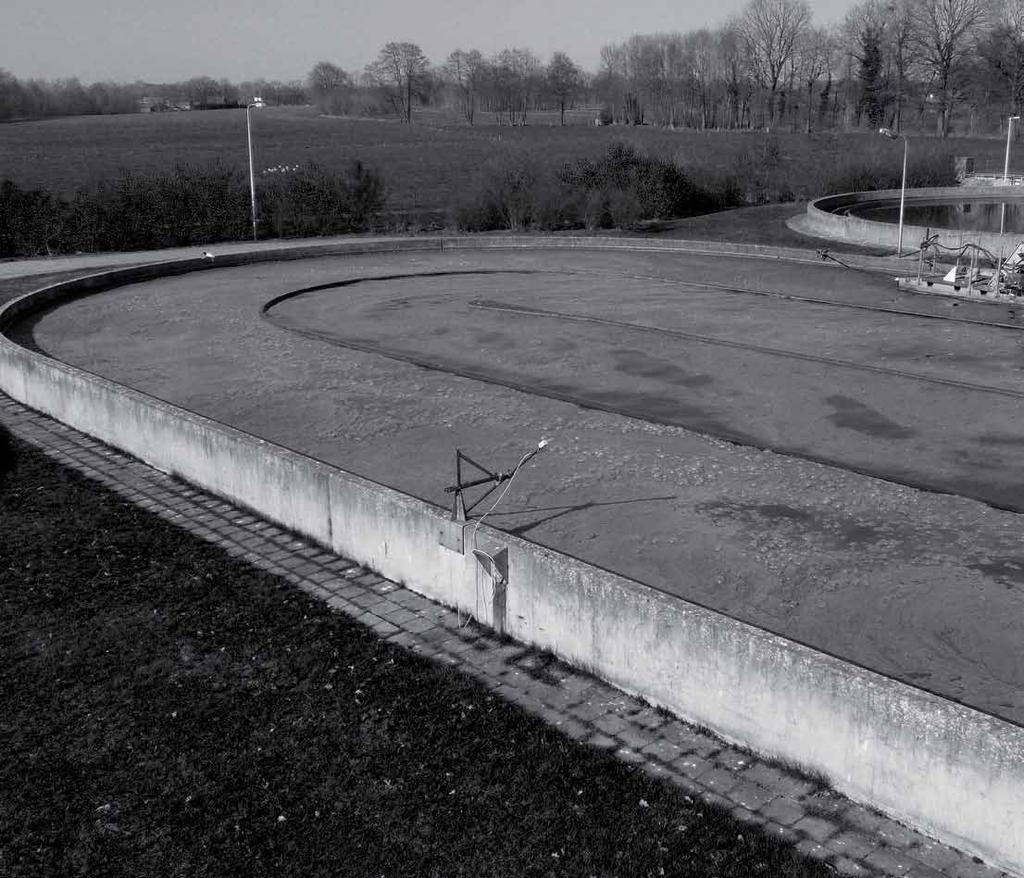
point(976, 273)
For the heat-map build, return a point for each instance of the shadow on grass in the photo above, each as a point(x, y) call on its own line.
point(167, 710)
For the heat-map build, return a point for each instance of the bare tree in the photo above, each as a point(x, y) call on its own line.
point(329, 87)
point(944, 34)
point(811, 61)
point(563, 79)
point(514, 78)
point(201, 90)
point(465, 71)
point(401, 71)
point(736, 70)
point(770, 30)
point(1002, 54)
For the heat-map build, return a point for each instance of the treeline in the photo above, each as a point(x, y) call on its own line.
point(918, 63)
point(921, 64)
point(42, 99)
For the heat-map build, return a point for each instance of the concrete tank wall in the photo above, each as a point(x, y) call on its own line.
point(952, 771)
point(823, 220)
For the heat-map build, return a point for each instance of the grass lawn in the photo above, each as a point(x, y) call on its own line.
point(428, 164)
point(166, 710)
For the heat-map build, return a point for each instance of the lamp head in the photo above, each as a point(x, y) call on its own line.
point(543, 444)
point(888, 132)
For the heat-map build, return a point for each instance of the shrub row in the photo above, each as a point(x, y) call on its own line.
point(191, 205)
point(622, 188)
point(515, 190)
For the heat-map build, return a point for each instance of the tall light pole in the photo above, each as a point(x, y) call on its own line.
point(252, 173)
point(892, 135)
point(1006, 168)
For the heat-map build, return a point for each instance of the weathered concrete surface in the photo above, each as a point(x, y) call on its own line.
point(944, 767)
point(917, 586)
point(827, 218)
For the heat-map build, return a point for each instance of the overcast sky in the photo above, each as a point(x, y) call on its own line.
point(171, 40)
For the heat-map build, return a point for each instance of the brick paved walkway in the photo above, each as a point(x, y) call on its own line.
point(852, 839)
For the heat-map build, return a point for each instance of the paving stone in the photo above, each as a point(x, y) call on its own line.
point(783, 810)
point(828, 804)
point(945, 859)
point(588, 711)
point(853, 844)
point(559, 698)
point(692, 766)
point(896, 834)
point(601, 740)
point(847, 867)
point(864, 819)
point(889, 861)
point(969, 867)
point(573, 728)
point(719, 780)
point(629, 755)
point(816, 828)
point(403, 638)
point(610, 723)
point(734, 760)
point(648, 718)
point(655, 770)
point(366, 599)
point(922, 871)
point(577, 683)
point(455, 645)
point(398, 615)
point(712, 798)
point(688, 738)
point(785, 783)
point(635, 739)
point(384, 628)
point(417, 626)
point(663, 750)
point(744, 815)
point(811, 848)
point(435, 634)
point(750, 795)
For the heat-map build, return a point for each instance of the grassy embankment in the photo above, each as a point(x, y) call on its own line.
point(436, 174)
point(166, 710)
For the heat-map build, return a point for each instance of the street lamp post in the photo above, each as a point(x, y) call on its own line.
point(252, 173)
point(1006, 169)
point(892, 135)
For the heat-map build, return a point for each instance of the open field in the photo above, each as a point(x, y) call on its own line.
point(427, 165)
point(909, 582)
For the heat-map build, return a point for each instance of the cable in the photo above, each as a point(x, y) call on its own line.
point(476, 615)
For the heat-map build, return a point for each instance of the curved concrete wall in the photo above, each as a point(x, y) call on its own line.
point(823, 220)
point(951, 771)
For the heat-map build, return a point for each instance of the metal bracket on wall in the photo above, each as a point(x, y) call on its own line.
point(451, 535)
point(494, 564)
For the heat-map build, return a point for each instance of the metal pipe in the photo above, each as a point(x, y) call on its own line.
point(892, 135)
point(1006, 169)
point(252, 173)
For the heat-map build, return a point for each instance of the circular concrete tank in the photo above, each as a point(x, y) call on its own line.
point(955, 214)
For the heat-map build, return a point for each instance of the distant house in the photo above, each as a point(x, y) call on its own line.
point(218, 102)
point(154, 105)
